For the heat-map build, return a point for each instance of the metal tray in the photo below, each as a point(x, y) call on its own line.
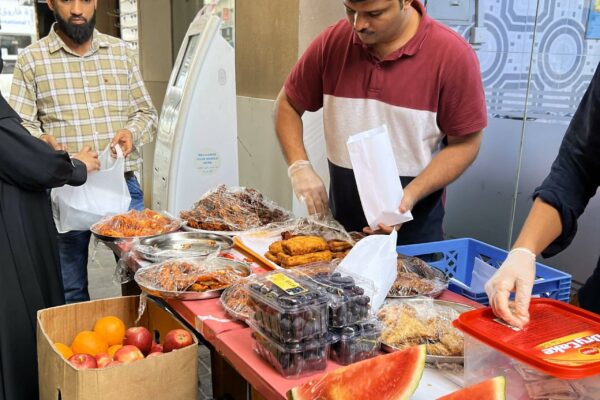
point(176, 245)
point(176, 225)
point(244, 271)
point(187, 228)
point(430, 358)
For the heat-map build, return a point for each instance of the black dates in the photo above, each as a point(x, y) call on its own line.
point(293, 360)
point(348, 303)
point(356, 343)
point(289, 318)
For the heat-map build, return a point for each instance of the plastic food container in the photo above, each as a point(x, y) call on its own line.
point(557, 355)
point(288, 308)
point(356, 342)
point(348, 303)
point(292, 360)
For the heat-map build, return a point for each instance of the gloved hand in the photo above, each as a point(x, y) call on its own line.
point(308, 187)
point(516, 274)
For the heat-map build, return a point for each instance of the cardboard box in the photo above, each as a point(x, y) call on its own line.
point(171, 376)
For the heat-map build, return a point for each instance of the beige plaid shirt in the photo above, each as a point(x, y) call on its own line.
point(83, 100)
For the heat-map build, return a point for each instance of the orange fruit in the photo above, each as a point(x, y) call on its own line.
point(112, 329)
point(113, 349)
point(63, 349)
point(88, 342)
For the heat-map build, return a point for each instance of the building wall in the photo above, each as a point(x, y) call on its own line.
point(536, 64)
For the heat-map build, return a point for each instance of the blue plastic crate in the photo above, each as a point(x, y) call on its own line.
point(456, 257)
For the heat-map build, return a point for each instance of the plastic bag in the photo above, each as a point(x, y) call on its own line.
point(233, 209)
point(196, 275)
point(373, 258)
point(376, 175)
point(417, 278)
point(136, 223)
point(104, 193)
point(325, 226)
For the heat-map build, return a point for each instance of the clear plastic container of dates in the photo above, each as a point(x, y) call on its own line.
point(288, 308)
point(556, 356)
point(293, 360)
point(349, 297)
point(356, 342)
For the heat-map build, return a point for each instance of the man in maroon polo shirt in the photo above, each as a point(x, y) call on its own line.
point(387, 62)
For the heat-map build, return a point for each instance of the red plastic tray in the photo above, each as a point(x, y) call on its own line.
point(560, 340)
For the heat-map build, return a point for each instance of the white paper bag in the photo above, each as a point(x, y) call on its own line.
point(104, 193)
point(374, 259)
point(377, 179)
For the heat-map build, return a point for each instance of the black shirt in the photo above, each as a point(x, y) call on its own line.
point(574, 179)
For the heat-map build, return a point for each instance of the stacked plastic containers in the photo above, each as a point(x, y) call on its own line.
point(556, 356)
point(290, 322)
point(356, 337)
point(297, 318)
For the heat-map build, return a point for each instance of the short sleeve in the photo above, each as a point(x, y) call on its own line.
point(462, 108)
point(304, 85)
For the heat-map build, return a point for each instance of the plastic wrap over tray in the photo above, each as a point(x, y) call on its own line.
point(227, 209)
point(417, 278)
point(191, 278)
point(423, 320)
point(134, 224)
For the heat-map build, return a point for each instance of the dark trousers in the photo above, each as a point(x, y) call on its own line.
point(589, 294)
point(73, 250)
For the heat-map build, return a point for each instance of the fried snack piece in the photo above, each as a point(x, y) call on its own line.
point(211, 281)
point(340, 254)
point(338, 246)
point(410, 284)
point(272, 257)
point(276, 247)
point(401, 327)
point(438, 349)
point(293, 261)
point(300, 245)
point(453, 340)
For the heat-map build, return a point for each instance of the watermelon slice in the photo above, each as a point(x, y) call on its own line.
point(393, 376)
point(492, 389)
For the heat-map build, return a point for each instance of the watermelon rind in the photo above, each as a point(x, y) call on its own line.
point(491, 389)
point(335, 384)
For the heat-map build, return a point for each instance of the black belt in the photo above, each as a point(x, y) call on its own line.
point(129, 175)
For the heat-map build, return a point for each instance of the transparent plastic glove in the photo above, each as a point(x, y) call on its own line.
point(308, 187)
point(516, 274)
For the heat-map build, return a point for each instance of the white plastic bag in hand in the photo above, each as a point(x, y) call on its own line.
point(374, 259)
point(104, 193)
point(377, 179)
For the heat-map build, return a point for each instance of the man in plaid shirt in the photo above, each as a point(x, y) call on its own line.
point(79, 87)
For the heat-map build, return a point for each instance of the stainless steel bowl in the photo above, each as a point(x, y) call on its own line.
point(181, 245)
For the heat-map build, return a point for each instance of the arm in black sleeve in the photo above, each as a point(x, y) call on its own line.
point(30, 164)
point(575, 174)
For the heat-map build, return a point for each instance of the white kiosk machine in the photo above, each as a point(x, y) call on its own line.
point(196, 145)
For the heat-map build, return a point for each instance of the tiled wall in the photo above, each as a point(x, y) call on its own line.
point(491, 200)
point(563, 59)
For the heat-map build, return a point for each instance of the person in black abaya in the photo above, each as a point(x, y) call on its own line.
point(30, 277)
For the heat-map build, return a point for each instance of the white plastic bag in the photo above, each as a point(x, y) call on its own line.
point(104, 193)
point(376, 175)
point(374, 259)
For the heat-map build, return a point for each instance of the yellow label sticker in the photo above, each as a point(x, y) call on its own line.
point(286, 284)
point(577, 349)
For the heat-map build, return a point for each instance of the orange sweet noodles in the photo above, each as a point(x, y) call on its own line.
point(135, 223)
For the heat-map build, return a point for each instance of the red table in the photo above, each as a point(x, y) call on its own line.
point(234, 341)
